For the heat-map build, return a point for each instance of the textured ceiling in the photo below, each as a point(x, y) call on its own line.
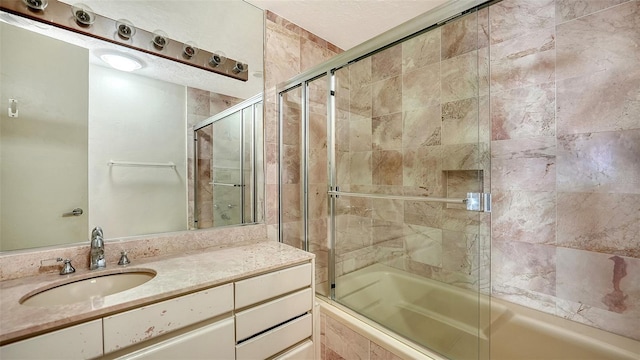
point(347, 23)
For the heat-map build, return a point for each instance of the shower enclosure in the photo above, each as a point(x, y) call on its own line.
point(384, 155)
point(225, 165)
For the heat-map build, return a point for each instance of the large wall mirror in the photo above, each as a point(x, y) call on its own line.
point(83, 144)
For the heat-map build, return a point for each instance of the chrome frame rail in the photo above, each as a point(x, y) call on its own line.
point(399, 197)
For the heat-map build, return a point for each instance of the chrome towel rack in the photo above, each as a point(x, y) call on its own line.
point(141, 164)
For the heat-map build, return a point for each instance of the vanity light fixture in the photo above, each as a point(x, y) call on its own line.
point(83, 14)
point(36, 5)
point(190, 49)
point(240, 67)
point(125, 29)
point(121, 61)
point(160, 39)
point(218, 58)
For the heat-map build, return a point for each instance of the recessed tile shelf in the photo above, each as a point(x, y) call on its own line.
point(59, 14)
point(460, 182)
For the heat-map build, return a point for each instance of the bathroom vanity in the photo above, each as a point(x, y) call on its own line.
point(246, 302)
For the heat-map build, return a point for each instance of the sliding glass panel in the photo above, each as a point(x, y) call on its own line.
point(226, 170)
point(291, 169)
point(317, 180)
point(408, 126)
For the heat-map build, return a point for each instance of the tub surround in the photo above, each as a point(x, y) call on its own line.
point(176, 275)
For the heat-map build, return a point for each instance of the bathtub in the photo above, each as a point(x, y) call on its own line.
point(447, 318)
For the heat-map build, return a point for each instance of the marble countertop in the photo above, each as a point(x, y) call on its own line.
point(177, 274)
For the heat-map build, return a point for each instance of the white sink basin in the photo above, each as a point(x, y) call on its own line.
point(85, 289)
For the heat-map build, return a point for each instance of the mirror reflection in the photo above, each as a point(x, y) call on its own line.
point(89, 145)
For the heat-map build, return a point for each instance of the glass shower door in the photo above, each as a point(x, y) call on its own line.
point(226, 170)
point(411, 135)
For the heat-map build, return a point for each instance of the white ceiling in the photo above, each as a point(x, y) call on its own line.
point(347, 23)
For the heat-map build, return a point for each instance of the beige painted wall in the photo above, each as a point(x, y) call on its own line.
point(45, 147)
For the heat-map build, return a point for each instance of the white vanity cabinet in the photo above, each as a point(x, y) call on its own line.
point(83, 341)
point(273, 314)
point(268, 316)
point(192, 326)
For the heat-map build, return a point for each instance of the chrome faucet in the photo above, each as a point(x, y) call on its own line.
point(97, 250)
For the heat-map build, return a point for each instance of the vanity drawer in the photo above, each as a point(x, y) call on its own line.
point(82, 341)
point(264, 287)
point(265, 316)
point(276, 340)
point(134, 326)
point(304, 351)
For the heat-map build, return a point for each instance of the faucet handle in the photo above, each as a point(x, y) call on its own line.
point(66, 268)
point(97, 231)
point(124, 260)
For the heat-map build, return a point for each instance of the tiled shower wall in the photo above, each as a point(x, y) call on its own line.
point(290, 50)
point(565, 159)
point(546, 93)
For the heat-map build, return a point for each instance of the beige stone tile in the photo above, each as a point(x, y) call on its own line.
point(291, 205)
point(523, 112)
point(219, 103)
point(421, 50)
point(459, 183)
point(353, 233)
point(531, 299)
point(622, 324)
point(271, 204)
point(510, 19)
point(605, 40)
point(387, 95)
point(423, 213)
point(524, 216)
point(613, 95)
point(387, 167)
point(523, 61)
point(312, 54)
point(599, 162)
point(386, 132)
point(461, 220)
point(524, 164)
point(600, 222)
point(524, 266)
point(390, 210)
point(460, 121)
point(460, 36)
point(423, 244)
point(361, 101)
point(465, 156)
point(197, 102)
point(588, 278)
point(422, 127)
point(359, 73)
point(292, 233)
point(360, 133)
point(318, 173)
point(380, 353)
point(459, 77)
point(388, 232)
point(571, 9)
point(360, 168)
point(421, 88)
point(317, 201)
point(483, 28)
point(282, 54)
point(423, 169)
point(343, 169)
point(291, 164)
point(387, 63)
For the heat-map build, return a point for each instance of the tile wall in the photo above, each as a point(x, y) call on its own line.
point(537, 102)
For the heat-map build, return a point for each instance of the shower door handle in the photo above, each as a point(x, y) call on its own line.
point(74, 212)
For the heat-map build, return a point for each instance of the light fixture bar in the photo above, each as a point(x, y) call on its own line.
point(59, 14)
